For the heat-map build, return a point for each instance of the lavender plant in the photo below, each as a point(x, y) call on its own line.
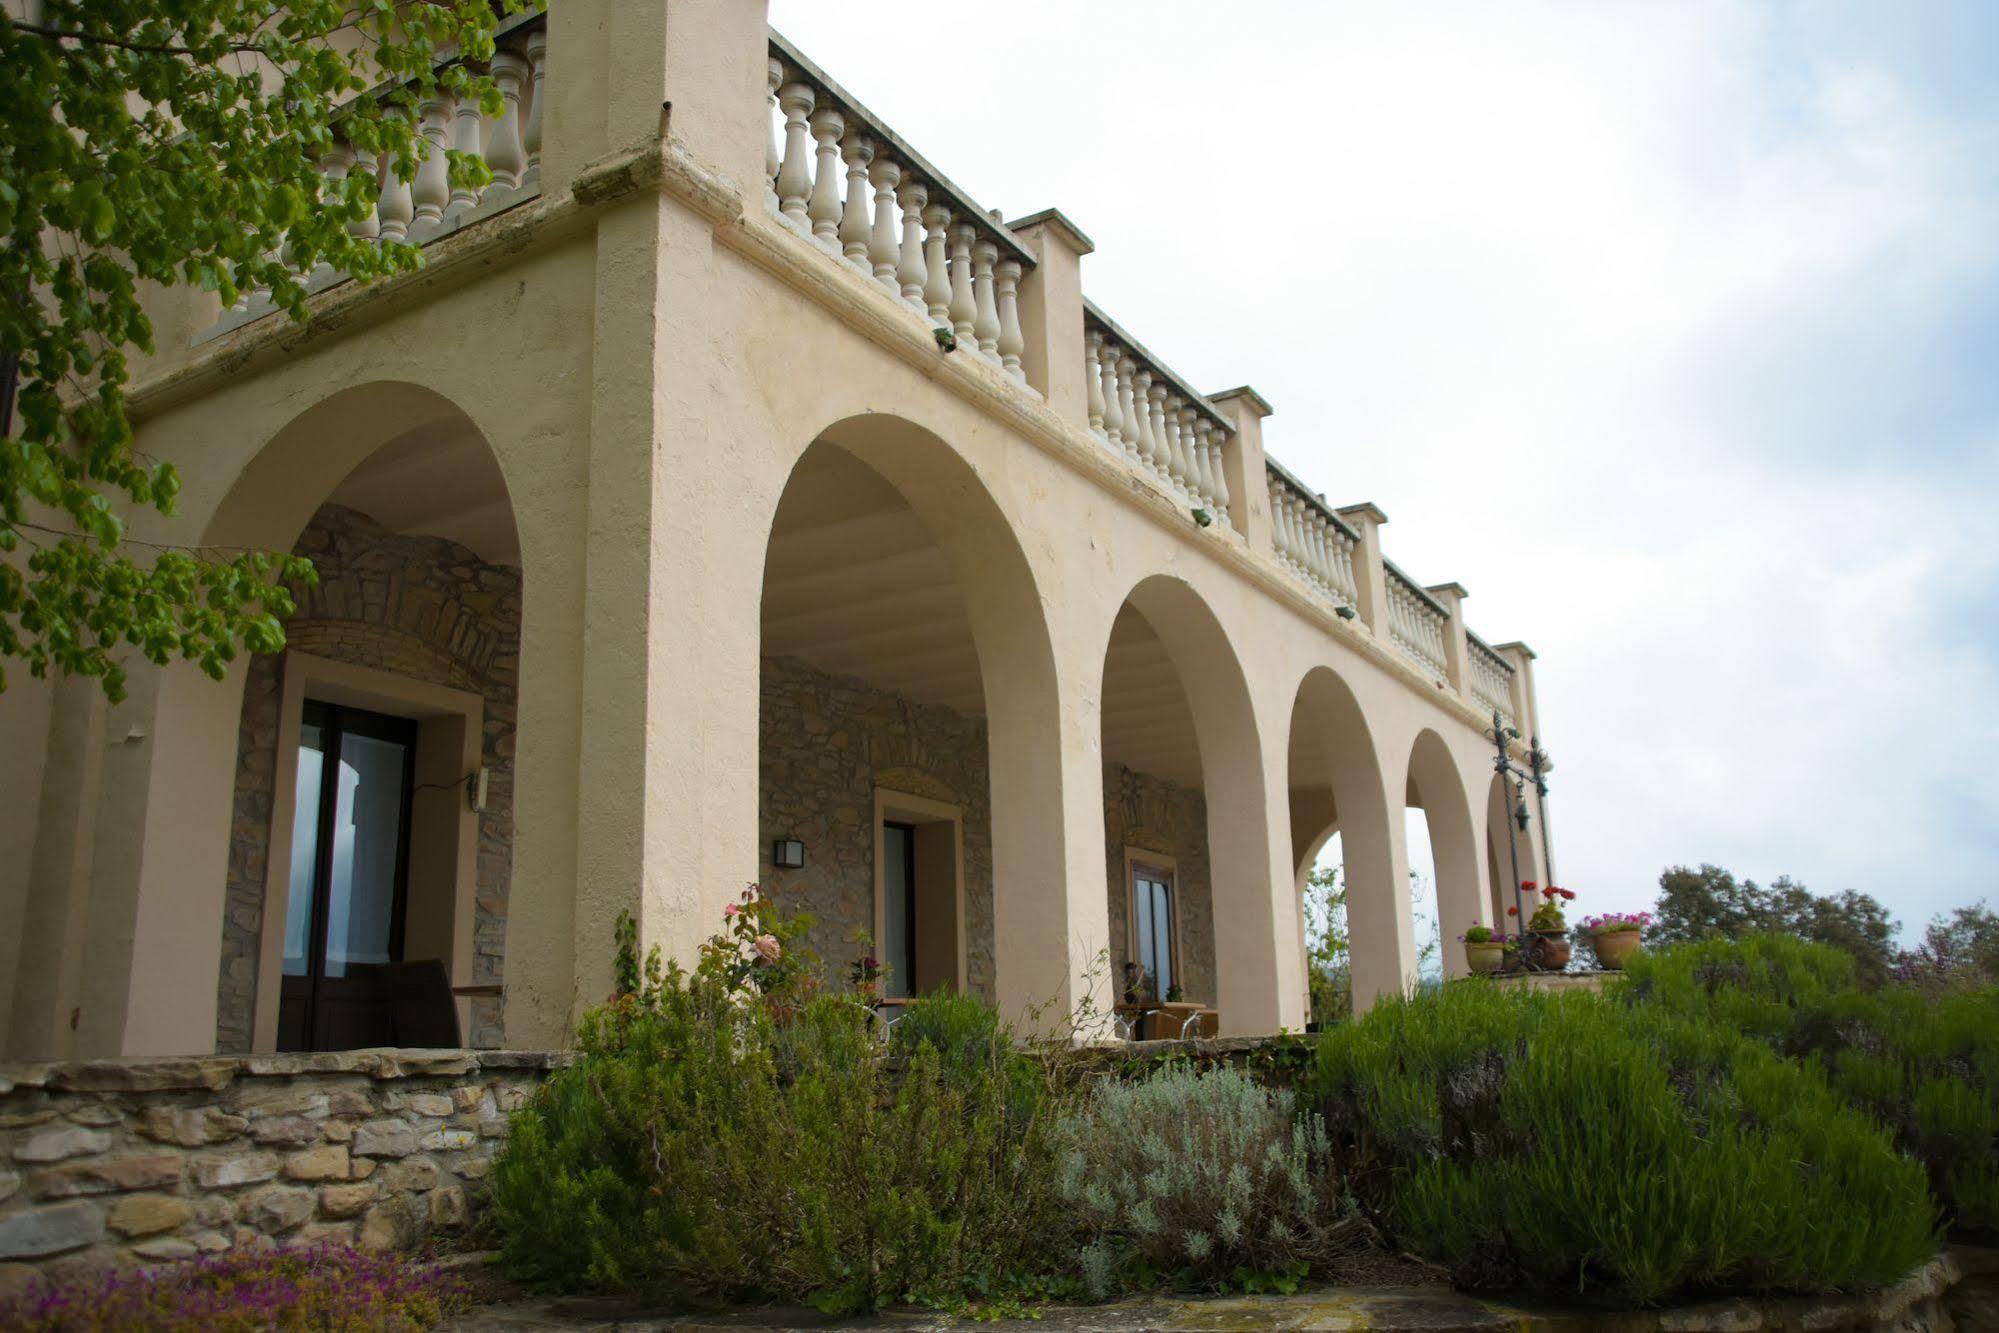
point(331, 1287)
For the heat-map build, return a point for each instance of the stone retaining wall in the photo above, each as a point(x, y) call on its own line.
point(117, 1162)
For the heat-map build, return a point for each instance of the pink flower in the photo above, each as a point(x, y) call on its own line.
point(731, 910)
point(768, 948)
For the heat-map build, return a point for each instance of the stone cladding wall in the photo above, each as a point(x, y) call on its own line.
point(1155, 815)
point(420, 607)
point(120, 1162)
point(827, 743)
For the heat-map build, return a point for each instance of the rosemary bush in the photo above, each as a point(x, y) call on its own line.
point(719, 1142)
point(1207, 1178)
point(1570, 1143)
point(1924, 1064)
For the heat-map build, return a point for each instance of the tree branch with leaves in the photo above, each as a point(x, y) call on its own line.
point(179, 142)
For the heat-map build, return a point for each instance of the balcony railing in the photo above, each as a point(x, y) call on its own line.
point(1416, 622)
point(1310, 539)
point(1491, 678)
point(1139, 407)
point(849, 184)
point(428, 207)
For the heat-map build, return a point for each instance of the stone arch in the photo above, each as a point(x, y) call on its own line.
point(1253, 918)
point(1332, 748)
point(1434, 785)
point(890, 567)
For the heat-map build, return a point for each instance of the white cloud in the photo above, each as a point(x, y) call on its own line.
point(1658, 284)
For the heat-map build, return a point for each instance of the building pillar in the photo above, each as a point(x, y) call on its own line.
point(1457, 664)
point(1370, 575)
point(1051, 312)
point(1243, 465)
point(1525, 709)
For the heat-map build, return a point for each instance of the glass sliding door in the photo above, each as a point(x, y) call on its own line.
point(349, 877)
point(1152, 930)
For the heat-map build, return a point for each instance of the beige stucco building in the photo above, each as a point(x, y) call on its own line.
point(731, 489)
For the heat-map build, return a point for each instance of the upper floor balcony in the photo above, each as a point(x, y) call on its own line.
point(732, 497)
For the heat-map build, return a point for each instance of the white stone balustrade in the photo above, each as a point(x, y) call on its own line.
point(427, 206)
point(1491, 679)
point(839, 177)
point(1416, 623)
point(1147, 413)
point(1311, 540)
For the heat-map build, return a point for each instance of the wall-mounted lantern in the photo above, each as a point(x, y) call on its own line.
point(787, 854)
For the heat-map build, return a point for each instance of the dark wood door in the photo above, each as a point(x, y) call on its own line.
point(349, 878)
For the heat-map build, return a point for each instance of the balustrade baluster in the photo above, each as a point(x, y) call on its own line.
point(936, 265)
point(431, 190)
point(1141, 406)
point(857, 152)
point(985, 324)
point(1177, 456)
point(505, 157)
point(1132, 425)
point(1006, 289)
point(1220, 474)
point(964, 306)
point(1093, 380)
point(885, 175)
point(909, 269)
point(794, 174)
point(1204, 452)
point(536, 51)
point(1162, 448)
point(395, 209)
point(824, 209)
point(774, 76)
point(368, 226)
point(1113, 418)
point(468, 133)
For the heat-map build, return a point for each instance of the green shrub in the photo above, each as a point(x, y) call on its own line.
point(1205, 1177)
point(715, 1143)
point(1924, 1064)
point(1576, 1144)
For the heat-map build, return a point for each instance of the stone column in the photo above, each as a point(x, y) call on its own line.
point(1457, 667)
point(1370, 578)
point(1243, 466)
point(1051, 311)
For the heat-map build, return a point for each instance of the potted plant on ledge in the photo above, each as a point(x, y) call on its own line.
point(1615, 936)
point(1550, 948)
point(1484, 950)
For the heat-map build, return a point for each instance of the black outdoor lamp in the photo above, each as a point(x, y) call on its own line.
point(788, 854)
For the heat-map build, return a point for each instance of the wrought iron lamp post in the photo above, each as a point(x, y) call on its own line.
point(1516, 779)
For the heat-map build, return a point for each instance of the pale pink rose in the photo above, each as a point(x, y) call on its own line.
point(768, 948)
point(731, 910)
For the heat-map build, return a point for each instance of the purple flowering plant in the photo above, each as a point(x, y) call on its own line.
point(324, 1286)
point(1610, 921)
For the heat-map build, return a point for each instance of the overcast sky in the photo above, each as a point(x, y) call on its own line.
point(1671, 330)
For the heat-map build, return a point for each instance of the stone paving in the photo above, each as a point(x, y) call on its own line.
point(1956, 1293)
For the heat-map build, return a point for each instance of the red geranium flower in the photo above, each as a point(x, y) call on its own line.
point(1513, 911)
point(1529, 885)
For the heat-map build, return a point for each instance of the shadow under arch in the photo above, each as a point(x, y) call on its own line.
point(1435, 785)
point(1259, 983)
point(1038, 917)
point(1331, 744)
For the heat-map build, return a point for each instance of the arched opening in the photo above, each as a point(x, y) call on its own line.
point(1340, 814)
point(1200, 925)
point(1434, 797)
point(908, 716)
point(371, 852)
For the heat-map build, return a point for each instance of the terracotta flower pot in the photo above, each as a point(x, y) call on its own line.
point(1484, 955)
point(1613, 947)
point(1551, 949)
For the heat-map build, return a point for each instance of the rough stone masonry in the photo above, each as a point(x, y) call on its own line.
point(119, 1162)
